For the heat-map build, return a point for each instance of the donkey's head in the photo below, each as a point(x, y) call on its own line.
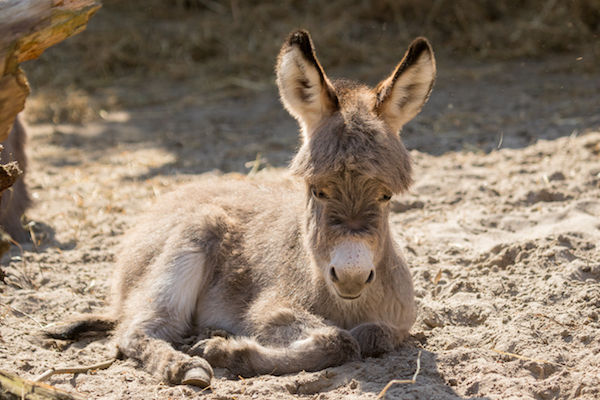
point(352, 157)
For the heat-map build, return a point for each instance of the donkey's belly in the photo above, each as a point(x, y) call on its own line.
point(217, 312)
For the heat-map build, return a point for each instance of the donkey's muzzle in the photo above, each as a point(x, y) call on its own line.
point(351, 268)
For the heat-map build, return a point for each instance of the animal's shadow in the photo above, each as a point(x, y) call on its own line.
point(410, 372)
point(40, 236)
point(369, 377)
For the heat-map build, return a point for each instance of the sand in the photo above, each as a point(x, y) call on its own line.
point(501, 231)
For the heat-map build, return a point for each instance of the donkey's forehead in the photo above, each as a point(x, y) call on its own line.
point(350, 181)
point(354, 140)
point(356, 114)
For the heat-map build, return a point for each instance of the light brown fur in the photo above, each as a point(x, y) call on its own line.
point(257, 259)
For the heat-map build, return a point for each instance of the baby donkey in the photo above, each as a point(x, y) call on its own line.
point(302, 273)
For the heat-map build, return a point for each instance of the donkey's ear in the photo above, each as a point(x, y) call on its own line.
point(401, 96)
point(304, 88)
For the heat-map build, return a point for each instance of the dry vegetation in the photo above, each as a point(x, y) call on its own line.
point(225, 46)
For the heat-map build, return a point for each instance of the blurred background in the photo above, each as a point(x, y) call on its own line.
point(498, 61)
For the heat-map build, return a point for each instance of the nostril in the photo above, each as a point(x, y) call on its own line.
point(371, 276)
point(334, 276)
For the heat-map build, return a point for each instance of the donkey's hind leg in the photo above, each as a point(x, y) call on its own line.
point(160, 358)
point(149, 337)
point(161, 311)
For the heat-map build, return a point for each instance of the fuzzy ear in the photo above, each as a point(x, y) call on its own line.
point(401, 96)
point(303, 86)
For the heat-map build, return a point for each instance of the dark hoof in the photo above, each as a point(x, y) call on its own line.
point(197, 377)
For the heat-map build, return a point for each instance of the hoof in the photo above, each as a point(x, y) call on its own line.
point(197, 377)
point(198, 348)
point(375, 340)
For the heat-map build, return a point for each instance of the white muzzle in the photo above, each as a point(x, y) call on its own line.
point(351, 268)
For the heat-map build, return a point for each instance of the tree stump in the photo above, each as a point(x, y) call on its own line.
point(27, 28)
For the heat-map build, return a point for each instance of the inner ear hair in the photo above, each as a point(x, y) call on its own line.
point(401, 96)
point(304, 88)
point(303, 41)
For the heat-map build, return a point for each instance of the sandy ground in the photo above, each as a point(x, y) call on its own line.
point(501, 230)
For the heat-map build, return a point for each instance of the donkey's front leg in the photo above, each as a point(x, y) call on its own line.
point(311, 345)
point(244, 356)
point(376, 339)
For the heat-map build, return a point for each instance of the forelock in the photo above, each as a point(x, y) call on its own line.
point(355, 140)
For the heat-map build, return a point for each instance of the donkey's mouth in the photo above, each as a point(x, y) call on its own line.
point(346, 297)
point(349, 297)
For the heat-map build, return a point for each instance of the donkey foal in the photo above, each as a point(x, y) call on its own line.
point(301, 274)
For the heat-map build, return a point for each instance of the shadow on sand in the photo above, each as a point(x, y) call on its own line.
point(360, 379)
point(475, 107)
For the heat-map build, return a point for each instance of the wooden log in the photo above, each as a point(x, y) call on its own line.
point(13, 387)
point(27, 28)
point(13, 92)
point(9, 173)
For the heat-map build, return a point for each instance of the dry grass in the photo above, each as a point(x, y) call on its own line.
point(393, 382)
point(212, 41)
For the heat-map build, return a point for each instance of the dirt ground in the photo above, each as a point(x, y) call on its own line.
point(501, 230)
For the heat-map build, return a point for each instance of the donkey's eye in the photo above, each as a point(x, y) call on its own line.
point(385, 198)
point(319, 194)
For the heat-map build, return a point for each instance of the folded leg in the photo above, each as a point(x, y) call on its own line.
point(321, 348)
point(160, 314)
point(285, 339)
